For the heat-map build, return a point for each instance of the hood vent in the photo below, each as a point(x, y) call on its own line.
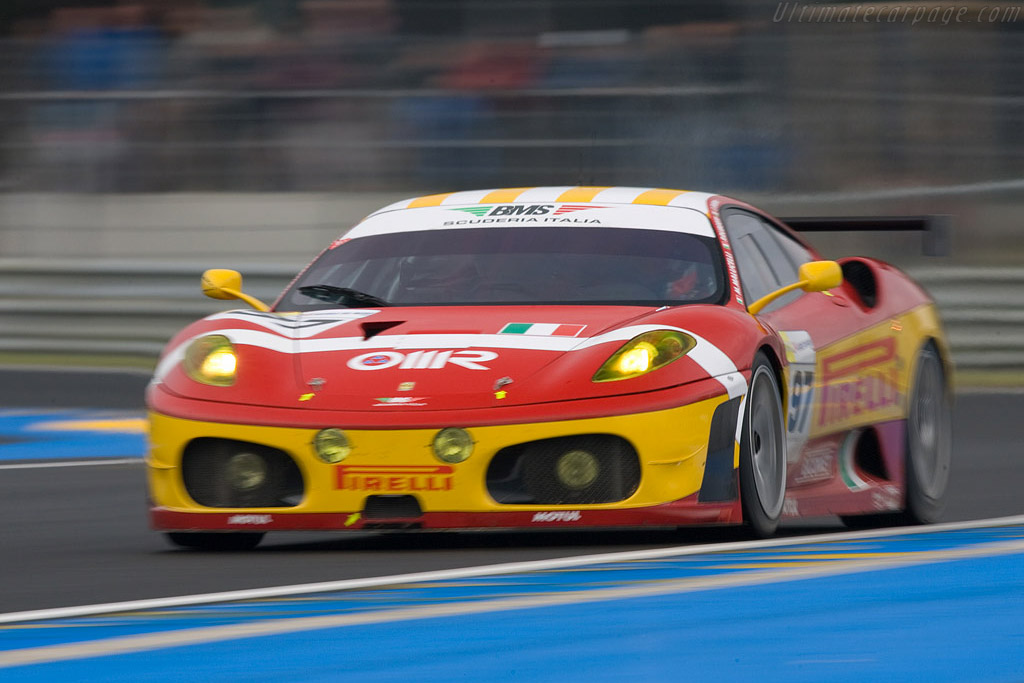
point(372, 329)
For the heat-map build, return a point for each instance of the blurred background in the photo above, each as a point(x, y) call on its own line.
point(143, 141)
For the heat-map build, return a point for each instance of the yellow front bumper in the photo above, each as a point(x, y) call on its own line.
point(672, 446)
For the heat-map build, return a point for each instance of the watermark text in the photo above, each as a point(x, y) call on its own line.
point(911, 13)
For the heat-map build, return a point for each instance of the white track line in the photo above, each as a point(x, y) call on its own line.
point(72, 463)
point(488, 570)
point(80, 369)
point(209, 634)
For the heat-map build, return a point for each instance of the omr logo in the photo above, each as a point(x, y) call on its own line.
point(422, 360)
point(525, 209)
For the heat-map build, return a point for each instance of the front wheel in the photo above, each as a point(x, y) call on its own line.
point(211, 540)
point(762, 452)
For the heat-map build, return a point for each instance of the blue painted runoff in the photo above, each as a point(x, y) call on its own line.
point(70, 435)
point(951, 620)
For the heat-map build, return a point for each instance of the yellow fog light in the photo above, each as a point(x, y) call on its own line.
point(453, 445)
point(331, 445)
point(211, 360)
point(246, 471)
point(577, 469)
point(646, 352)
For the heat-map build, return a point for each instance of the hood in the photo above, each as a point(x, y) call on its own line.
point(428, 358)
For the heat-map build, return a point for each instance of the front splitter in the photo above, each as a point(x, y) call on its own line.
point(679, 513)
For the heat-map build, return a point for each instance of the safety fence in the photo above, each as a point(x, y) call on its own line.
point(751, 106)
point(133, 308)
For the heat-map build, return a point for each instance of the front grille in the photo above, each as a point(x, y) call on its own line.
point(392, 507)
point(210, 470)
point(529, 473)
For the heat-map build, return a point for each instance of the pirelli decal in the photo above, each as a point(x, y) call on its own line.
point(859, 381)
point(394, 478)
point(858, 359)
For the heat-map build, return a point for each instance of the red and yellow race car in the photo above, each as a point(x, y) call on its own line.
point(556, 357)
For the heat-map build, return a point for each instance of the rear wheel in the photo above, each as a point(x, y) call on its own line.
point(762, 452)
point(210, 540)
point(928, 450)
point(929, 440)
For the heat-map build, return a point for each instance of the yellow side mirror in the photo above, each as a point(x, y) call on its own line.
point(816, 276)
point(221, 283)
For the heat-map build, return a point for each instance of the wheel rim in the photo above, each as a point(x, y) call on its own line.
point(928, 420)
point(767, 454)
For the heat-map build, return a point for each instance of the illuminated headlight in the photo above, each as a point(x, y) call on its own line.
point(246, 471)
point(577, 469)
point(453, 445)
point(646, 352)
point(331, 445)
point(211, 360)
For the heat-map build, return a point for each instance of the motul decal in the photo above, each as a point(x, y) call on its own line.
point(558, 516)
point(421, 360)
point(256, 520)
point(394, 478)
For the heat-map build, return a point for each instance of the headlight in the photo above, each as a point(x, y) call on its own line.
point(211, 360)
point(643, 353)
point(453, 445)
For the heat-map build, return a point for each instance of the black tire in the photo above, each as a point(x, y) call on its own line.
point(928, 449)
point(762, 451)
point(212, 540)
point(929, 440)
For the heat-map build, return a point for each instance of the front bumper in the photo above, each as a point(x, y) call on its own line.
point(672, 446)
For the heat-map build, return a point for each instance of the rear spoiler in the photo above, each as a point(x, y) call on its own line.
point(935, 230)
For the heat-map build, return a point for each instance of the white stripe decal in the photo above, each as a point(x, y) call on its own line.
point(734, 383)
point(739, 422)
point(297, 326)
point(708, 356)
point(542, 194)
point(684, 200)
point(625, 195)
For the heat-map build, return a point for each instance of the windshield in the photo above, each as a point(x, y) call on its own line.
point(516, 265)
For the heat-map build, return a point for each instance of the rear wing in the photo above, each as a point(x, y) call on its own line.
point(935, 230)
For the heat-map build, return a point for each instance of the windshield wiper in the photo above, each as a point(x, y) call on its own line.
point(349, 298)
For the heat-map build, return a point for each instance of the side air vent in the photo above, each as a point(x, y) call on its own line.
point(863, 281)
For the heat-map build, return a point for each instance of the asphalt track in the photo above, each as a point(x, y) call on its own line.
point(78, 535)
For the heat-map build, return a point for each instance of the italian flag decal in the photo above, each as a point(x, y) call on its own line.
point(542, 329)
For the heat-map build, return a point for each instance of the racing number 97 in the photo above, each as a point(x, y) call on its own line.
point(800, 401)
